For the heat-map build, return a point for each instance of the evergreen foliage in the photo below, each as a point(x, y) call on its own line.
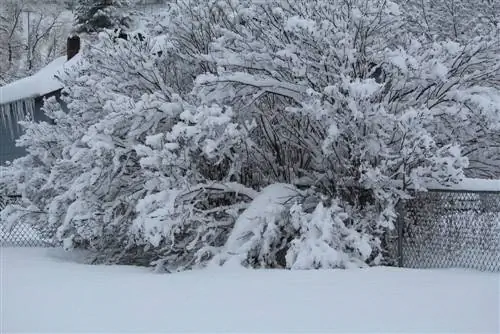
point(93, 16)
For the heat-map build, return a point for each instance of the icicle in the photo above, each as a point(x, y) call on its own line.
point(12, 113)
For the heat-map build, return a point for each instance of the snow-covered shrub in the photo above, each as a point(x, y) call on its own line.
point(82, 172)
point(270, 134)
point(186, 229)
point(260, 234)
point(325, 240)
point(458, 20)
point(331, 108)
point(191, 202)
point(112, 177)
point(285, 227)
point(464, 40)
point(128, 139)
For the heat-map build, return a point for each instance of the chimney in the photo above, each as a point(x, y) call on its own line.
point(73, 46)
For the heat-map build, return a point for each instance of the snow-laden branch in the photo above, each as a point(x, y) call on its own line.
point(228, 187)
point(269, 85)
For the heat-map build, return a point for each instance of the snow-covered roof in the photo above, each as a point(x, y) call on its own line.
point(39, 84)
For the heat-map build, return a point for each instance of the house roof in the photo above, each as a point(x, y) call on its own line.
point(41, 83)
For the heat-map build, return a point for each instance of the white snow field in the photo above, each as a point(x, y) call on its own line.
point(42, 290)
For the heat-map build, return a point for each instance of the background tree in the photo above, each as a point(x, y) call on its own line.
point(11, 30)
point(92, 16)
point(32, 35)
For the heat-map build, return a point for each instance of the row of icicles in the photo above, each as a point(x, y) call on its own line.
point(12, 113)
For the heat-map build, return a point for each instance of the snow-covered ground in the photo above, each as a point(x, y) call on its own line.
point(44, 291)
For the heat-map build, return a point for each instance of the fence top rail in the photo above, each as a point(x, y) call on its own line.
point(465, 186)
point(469, 185)
point(463, 191)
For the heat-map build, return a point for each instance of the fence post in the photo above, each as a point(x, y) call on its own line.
point(400, 210)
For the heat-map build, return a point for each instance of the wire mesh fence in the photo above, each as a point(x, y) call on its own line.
point(439, 229)
point(444, 229)
point(22, 235)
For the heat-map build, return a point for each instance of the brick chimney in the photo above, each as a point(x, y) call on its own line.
point(72, 46)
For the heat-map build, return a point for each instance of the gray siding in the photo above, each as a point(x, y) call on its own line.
point(8, 149)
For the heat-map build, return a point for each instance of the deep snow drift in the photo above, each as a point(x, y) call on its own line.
point(44, 291)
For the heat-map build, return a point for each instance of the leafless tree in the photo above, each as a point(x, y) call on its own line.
point(31, 33)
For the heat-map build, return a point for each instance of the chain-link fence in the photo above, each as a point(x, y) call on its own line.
point(444, 229)
point(441, 229)
point(22, 235)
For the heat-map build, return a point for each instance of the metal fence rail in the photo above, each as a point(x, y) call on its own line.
point(444, 229)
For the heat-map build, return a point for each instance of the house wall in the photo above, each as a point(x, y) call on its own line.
point(10, 130)
point(8, 149)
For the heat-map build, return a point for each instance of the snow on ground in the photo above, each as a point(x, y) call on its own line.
point(43, 291)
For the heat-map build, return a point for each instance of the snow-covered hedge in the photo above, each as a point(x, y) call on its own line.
point(266, 134)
